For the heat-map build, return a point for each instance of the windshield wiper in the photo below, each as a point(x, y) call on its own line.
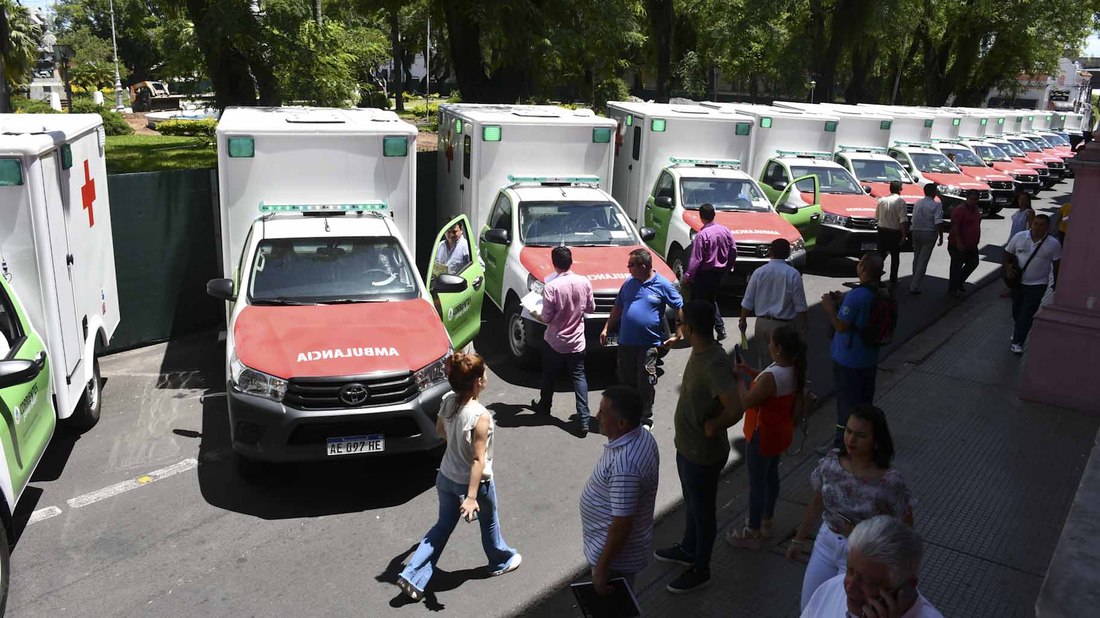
point(279, 301)
point(352, 301)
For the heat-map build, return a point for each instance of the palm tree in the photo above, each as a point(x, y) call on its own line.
point(19, 37)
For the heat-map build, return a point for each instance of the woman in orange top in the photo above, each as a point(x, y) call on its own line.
point(769, 428)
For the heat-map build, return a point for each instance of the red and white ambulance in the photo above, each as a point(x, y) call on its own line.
point(534, 177)
point(335, 344)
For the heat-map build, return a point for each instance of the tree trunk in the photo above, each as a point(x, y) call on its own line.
point(397, 75)
point(226, 64)
point(317, 13)
point(661, 20)
point(464, 37)
point(5, 43)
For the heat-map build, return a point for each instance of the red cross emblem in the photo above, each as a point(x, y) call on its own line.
point(87, 194)
point(449, 152)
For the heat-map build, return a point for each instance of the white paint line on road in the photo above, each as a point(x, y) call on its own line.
point(43, 514)
point(125, 486)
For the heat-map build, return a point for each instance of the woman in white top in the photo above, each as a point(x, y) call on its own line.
point(465, 479)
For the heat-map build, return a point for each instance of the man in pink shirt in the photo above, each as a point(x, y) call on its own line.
point(712, 255)
point(565, 300)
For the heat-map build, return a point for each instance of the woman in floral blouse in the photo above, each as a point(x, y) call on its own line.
point(853, 483)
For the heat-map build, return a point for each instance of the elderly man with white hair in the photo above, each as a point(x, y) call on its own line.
point(884, 557)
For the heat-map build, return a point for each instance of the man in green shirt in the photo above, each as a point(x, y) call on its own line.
point(708, 405)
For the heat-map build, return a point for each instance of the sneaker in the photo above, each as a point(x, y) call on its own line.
point(744, 538)
point(410, 590)
point(539, 408)
point(674, 554)
point(721, 335)
point(1017, 348)
point(580, 429)
point(512, 565)
point(692, 579)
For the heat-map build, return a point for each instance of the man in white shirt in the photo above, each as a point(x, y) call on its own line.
point(454, 252)
point(776, 296)
point(927, 231)
point(884, 558)
point(893, 227)
point(1038, 254)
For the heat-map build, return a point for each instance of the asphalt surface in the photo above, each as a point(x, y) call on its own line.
point(146, 515)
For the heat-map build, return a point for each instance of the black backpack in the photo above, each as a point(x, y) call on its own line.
point(882, 320)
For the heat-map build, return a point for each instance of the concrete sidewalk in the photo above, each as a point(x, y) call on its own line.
point(992, 480)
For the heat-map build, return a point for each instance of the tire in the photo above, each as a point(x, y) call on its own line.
point(678, 262)
point(521, 347)
point(87, 410)
point(5, 569)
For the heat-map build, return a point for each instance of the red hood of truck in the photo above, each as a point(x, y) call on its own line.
point(1013, 167)
point(761, 227)
point(340, 340)
point(910, 191)
point(605, 267)
point(1035, 164)
point(985, 174)
point(845, 204)
point(956, 180)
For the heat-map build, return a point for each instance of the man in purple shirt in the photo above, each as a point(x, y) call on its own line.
point(712, 256)
point(565, 300)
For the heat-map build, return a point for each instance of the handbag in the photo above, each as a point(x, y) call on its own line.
point(1014, 278)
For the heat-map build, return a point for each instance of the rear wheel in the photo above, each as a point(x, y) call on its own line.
point(521, 346)
point(678, 262)
point(87, 410)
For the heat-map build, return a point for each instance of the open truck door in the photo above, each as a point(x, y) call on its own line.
point(456, 281)
point(792, 206)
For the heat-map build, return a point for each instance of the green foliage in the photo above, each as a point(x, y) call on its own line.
point(692, 75)
point(611, 89)
point(151, 153)
point(373, 97)
point(191, 128)
point(22, 44)
point(92, 66)
point(113, 122)
point(23, 105)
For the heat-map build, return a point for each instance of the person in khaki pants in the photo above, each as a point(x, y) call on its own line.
point(776, 296)
point(893, 227)
point(927, 231)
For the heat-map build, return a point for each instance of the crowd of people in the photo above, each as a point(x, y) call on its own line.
point(865, 556)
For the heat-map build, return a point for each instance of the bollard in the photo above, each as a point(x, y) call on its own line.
point(55, 101)
point(97, 97)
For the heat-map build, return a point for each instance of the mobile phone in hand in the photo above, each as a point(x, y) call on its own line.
point(737, 353)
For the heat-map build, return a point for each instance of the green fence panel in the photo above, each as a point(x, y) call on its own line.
point(165, 251)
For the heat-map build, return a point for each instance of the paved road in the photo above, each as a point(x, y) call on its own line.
point(146, 515)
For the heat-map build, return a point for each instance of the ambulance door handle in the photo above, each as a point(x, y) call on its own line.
point(477, 282)
point(69, 259)
point(630, 167)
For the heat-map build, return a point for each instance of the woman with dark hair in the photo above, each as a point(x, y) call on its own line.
point(465, 480)
point(769, 427)
point(851, 484)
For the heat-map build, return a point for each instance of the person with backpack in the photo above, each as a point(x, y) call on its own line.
point(863, 320)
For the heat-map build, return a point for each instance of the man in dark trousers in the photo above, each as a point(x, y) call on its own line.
point(707, 406)
point(713, 253)
point(962, 243)
point(893, 227)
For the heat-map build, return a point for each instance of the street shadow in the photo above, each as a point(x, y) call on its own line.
point(56, 457)
point(442, 581)
point(830, 265)
point(992, 253)
point(28, 502)
point(193, 362)
point(508, 415)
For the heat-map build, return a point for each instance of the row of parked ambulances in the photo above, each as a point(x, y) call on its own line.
point(58, 298)
point(337, 345)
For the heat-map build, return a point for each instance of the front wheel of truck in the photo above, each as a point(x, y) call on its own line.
point(520, 345)
point(87, 410)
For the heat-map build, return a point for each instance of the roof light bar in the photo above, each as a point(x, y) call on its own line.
point(921, 144)
point(553, 179)
point(804, 154)
point(363, 207)
point(878, 149)
point(946, 140)
point(734, 163)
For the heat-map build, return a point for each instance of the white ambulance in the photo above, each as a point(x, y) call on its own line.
point(335, 346)
point(534, 177)
point(673, 159)
point(58, 297)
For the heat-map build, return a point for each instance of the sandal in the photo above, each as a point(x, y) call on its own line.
point(745, 538)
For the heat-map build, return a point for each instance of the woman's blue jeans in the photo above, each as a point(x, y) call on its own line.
point(763, 482)
point(419, 570)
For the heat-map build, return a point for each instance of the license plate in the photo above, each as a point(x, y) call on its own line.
point(868, 246)
point(355, 445)
point(1003, 199)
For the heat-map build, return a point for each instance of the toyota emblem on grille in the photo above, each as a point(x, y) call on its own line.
point(354, 394)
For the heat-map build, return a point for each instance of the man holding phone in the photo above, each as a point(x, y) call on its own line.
point(884, 556)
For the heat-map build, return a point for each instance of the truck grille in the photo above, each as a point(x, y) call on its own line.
point(319, 432)
point(1026, 178)
point(1056, 165)
point(1000, 184)
point(1042, 172)
point(605, 301)
point(325, 393)
point(752, 249)
point(862, 223)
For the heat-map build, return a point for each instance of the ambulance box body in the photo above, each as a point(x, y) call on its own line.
point(335, 344)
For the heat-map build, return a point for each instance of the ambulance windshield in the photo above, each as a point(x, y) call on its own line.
point(1055, 139)
point(880, 170)
point(739, 194)
point(964, 157)
point(992, 153)
point(330, 270)
point(934, 163)
point(1025, 144)
point(1011, 149)
point(574, 224)
point(830, 179)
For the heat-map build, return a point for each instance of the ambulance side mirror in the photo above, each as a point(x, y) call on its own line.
point(15, 372)
point(648, 233)
point(497, 236)
point(867, 189)
point(448, 284)
point(779, 185)
point(221, 289)
point(663, 201)
point(787, 209)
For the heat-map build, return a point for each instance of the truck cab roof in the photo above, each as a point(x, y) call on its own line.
point(296, 225)
point(558, 193)
point(275, 120)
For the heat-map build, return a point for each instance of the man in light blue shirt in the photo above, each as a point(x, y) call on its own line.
point(454, 251)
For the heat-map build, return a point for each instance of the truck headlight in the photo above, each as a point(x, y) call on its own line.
point(533, 284)
point(691, 236)
point(254, 382)
point(832, 219)
point(433, 374)
point(950, 190)
point(798, 245)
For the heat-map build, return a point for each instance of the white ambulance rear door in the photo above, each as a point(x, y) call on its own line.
point(60, 261)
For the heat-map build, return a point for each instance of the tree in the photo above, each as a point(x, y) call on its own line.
point(19, 37)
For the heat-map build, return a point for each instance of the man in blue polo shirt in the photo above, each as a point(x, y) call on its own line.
point(638, 317)
point(855, 363)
